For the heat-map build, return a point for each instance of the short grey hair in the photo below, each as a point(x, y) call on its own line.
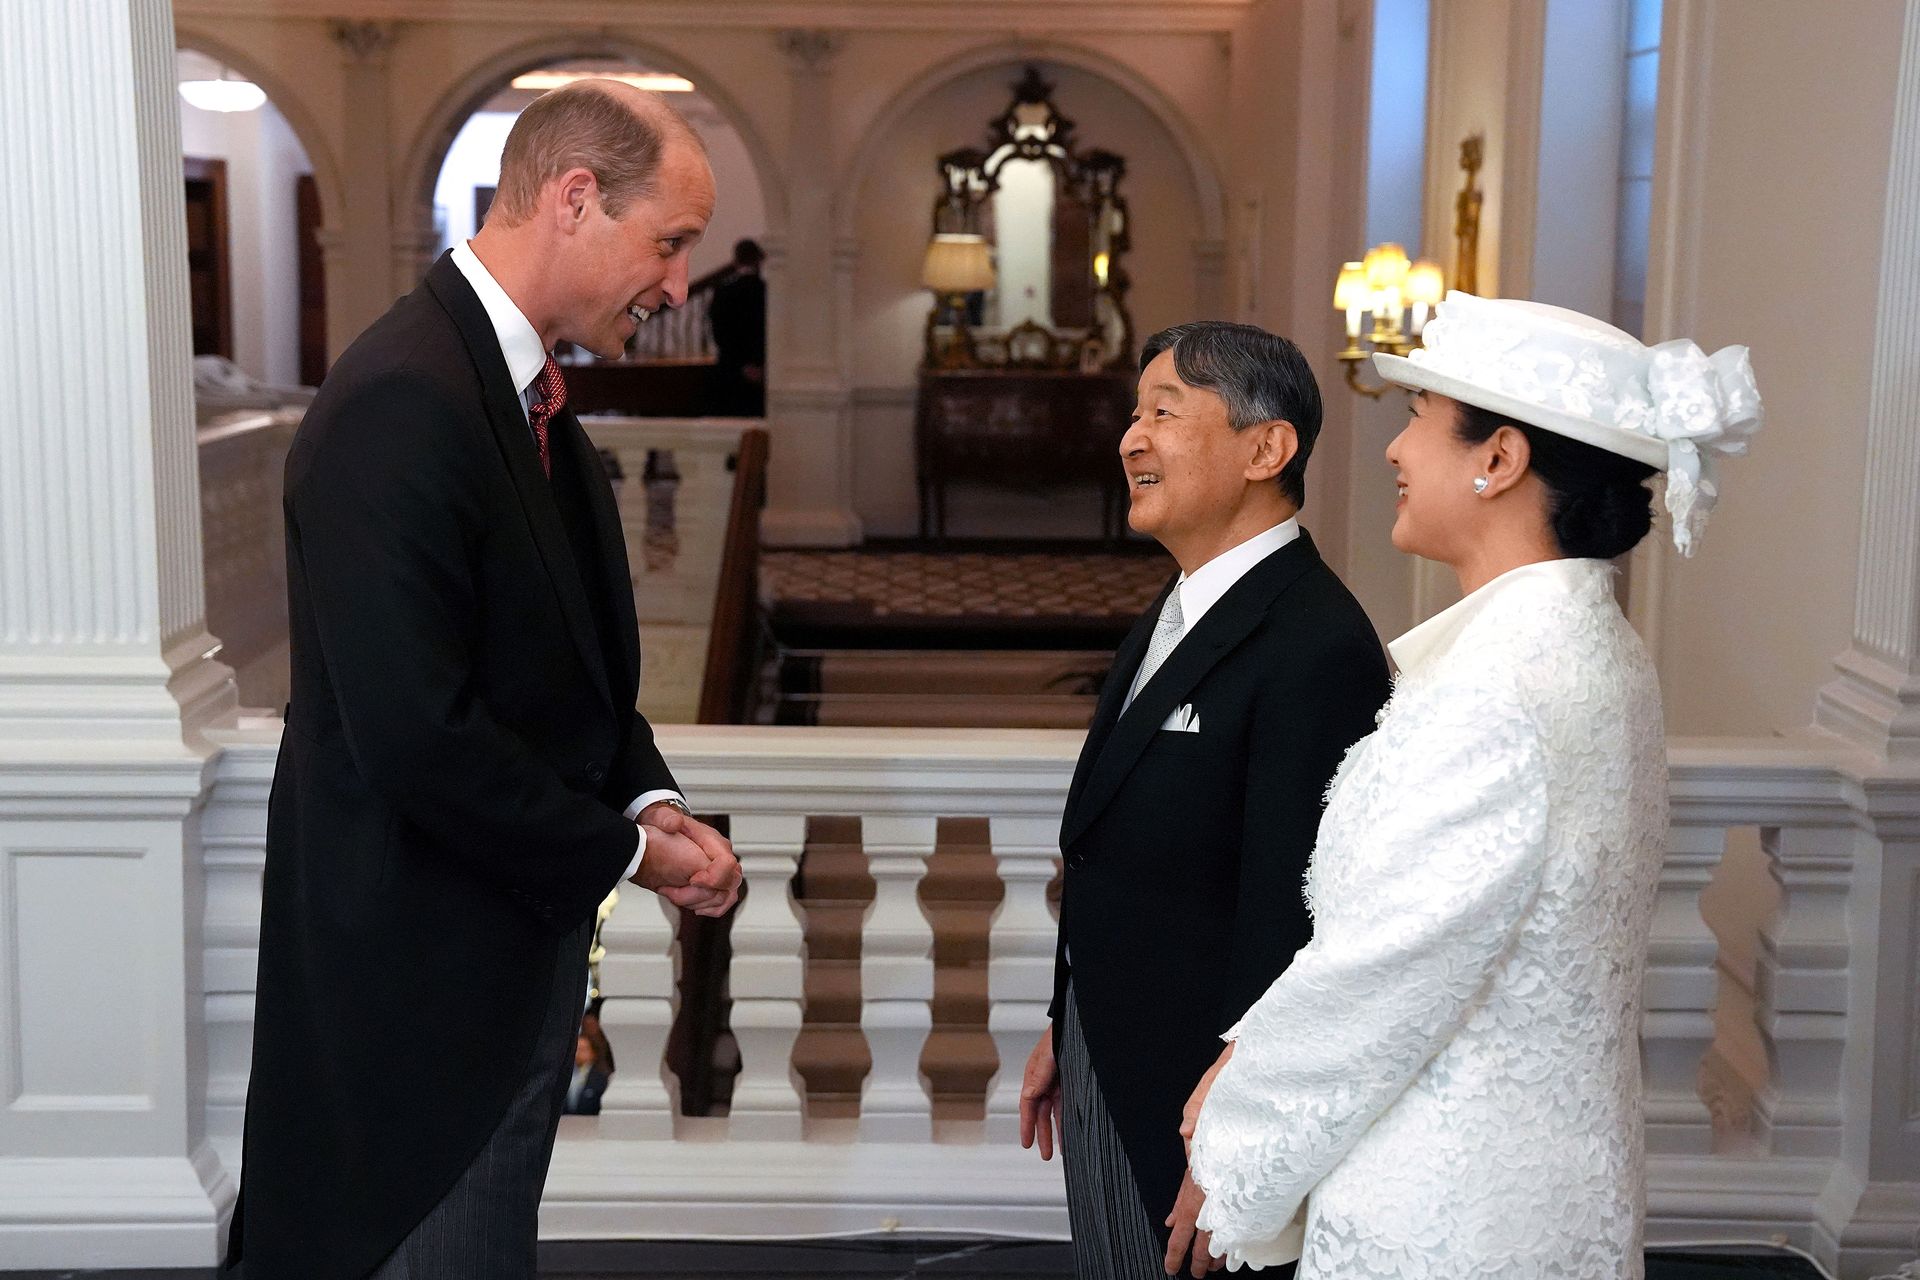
point(1261, 376)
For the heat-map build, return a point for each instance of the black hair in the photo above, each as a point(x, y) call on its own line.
point(1261, 376)
point(748, 253)
point(1598, 503)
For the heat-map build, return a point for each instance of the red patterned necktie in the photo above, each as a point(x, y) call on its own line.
point(551, 391)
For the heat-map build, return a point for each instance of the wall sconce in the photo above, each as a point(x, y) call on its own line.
point(1399, 294)
point(956, 264)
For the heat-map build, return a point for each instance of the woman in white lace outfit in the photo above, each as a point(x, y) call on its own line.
point(1446, 1080)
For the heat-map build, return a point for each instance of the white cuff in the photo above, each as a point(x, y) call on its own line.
point(639, 852)
point(634, 811)
point(639, 806)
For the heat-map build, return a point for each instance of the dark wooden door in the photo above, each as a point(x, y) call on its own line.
point(209, 267)
point(313, 283)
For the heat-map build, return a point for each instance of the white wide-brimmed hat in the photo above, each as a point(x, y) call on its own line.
point(1671, 406)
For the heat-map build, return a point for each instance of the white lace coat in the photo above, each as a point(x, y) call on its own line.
point(1449, 1073)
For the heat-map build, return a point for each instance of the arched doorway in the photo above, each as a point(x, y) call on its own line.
point(668, 369)
point(256, 211)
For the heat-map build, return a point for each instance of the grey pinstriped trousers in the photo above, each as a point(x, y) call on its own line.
point(486, 1227)
point(1112, 1238)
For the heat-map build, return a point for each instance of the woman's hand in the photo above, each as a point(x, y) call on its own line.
point(1191, 1116)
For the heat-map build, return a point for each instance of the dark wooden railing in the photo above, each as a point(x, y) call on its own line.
point(730, 683)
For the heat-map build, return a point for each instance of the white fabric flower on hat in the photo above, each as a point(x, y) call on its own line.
point(1704, 407)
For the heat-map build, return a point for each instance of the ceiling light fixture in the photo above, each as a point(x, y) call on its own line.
point(223, 94)
point(652, 81)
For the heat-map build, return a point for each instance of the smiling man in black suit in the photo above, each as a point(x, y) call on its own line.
point(1197, 797)
point(463, 776)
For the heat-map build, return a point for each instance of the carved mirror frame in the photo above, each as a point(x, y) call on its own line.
point(1033, 129)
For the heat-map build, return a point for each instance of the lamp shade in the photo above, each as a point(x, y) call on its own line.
point(957, 263)
point(1351, 291)
point(1386, 266)
point(1425, 284)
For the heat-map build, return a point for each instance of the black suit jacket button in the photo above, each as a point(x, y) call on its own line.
point(596, 772)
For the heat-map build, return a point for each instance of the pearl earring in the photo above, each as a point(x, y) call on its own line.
point(1480, 484)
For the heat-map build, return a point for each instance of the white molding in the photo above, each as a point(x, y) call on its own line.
point(119, 1211)
point(704, 1187)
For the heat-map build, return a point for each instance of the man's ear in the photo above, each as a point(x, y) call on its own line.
point(578, 191)
point(1274, 447)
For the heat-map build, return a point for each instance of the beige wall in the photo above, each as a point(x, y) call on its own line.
point(1774, 145)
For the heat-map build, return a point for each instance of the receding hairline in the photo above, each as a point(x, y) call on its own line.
point(651, 107)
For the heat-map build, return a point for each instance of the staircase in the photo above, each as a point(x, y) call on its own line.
point(954, 688)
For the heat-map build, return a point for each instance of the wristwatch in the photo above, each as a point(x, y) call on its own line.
point(673, 803)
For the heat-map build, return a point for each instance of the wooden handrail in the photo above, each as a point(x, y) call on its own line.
point(728, 685)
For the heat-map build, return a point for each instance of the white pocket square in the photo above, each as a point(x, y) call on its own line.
point(1183, 720)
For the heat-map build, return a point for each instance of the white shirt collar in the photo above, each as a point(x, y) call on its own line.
point(519, 340)
point(1202, 589)
point(1432, 638)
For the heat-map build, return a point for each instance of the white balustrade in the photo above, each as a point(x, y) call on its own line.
point(1828, 969)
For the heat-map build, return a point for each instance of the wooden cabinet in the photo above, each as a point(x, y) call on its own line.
point(1024, 429)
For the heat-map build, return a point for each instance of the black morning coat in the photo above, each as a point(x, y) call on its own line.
point(1185, 852)
point(447, 807)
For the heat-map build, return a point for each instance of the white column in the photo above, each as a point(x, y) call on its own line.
point(896, 979)
point(1020, 958)
point(1875, 701)
point(639, 979)
point(767, 978)
point(809, 410)
point(106, 671)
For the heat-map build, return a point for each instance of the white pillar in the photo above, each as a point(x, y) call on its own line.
point(107, 676)
point(1875, 703)
point(810, 406)
point(896, 979)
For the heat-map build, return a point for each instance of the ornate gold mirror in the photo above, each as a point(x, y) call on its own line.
point(1030, 237)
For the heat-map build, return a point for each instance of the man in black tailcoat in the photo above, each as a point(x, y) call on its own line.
point(1194, 807)
point(463, 777)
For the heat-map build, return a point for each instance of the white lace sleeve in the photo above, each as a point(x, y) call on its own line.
point(1418, 892)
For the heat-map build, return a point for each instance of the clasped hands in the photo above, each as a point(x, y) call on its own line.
point(687, 862)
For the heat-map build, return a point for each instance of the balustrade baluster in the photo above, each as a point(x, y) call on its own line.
point(1682, 985)
point(1801, 988)
point(767, 978)
point(896, 979)
point(638, 978)
point(1020, 964)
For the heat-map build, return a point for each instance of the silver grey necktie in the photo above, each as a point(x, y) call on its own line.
point(1166, 634)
